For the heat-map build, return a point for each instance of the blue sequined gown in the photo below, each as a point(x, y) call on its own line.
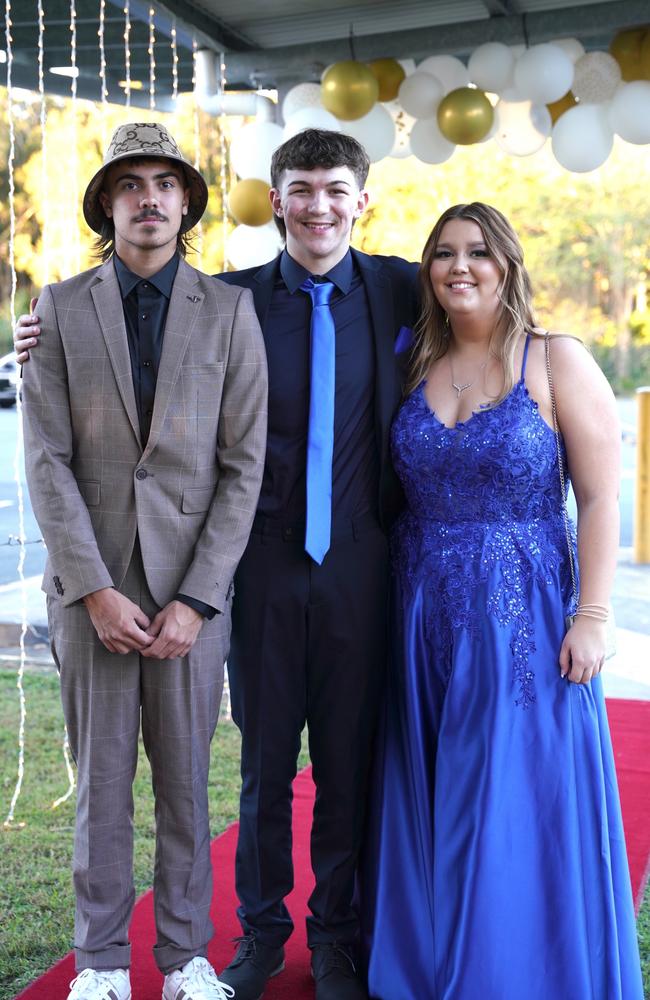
point(496, 866)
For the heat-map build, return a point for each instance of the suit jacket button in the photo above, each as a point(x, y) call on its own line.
point(141, 474)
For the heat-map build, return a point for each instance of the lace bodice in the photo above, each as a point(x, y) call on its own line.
point(484, 509)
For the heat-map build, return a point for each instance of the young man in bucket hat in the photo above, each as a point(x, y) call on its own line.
point(309, 628)
point(145, 429)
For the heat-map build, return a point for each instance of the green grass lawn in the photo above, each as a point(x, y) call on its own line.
point(36, 890)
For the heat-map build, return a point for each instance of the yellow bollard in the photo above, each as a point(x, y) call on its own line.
point(642, 499)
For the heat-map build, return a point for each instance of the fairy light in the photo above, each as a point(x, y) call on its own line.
point(127, 53)
point(197, 143)
point(45, 244)
point(9, 821)
point(152, 60)
point(102, 66)
point(76, 263)
point(68, 763)
point(174, 62)
point(223, 175)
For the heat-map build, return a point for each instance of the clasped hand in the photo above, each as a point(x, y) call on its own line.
point(583, 650)
point(122, 626)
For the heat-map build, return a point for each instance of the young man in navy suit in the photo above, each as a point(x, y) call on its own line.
point(309, 637)
point(309, 640)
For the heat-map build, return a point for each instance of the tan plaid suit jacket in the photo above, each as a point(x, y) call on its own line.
point(191, 492)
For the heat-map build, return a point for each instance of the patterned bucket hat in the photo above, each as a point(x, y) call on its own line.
point(138, 139)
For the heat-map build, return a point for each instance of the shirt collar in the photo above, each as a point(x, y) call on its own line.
point(293, 273)
point(162, 280)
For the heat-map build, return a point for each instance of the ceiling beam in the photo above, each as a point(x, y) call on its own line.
point(500, 8)
point(594, 24)
point(209, 30)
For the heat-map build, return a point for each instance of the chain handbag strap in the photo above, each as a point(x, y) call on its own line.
point(560, 465)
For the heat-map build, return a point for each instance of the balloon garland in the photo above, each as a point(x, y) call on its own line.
point(520, 96)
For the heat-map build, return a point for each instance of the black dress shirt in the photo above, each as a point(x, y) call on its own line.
point(355, 462)
point(146, 303)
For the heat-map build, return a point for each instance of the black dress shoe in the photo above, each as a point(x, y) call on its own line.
point(335, 973)
point(254, 963)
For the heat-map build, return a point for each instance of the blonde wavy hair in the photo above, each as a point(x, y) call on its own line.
point(431, 333)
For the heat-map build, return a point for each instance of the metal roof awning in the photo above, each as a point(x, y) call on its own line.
point(269, 45)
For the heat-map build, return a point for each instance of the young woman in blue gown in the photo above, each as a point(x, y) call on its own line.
point(496, 864)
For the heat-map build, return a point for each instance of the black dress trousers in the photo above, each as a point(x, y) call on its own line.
point(308, 645)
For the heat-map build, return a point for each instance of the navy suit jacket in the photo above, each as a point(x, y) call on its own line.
point(391, 288)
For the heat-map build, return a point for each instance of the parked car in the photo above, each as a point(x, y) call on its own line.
point(9, 379)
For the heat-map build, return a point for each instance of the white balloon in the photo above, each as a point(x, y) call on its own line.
point(403, 125)
point(408, 65)
point(582, 138)
point(629, 112)
point(451, 72)
point(310, 118)
point(303, 95)
point(375, 131)
point(251, 150)
point(597, 77)
point(517, 50)
point(522, 127)
point(420, 94)
point(512, 95)
point(543, 74)
point(490, 66)
point(248, 246)
point(573, 48)
point(429, 144)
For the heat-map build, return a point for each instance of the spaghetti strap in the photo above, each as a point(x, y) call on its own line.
point(525, 357)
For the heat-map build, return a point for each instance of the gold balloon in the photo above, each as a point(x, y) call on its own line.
point(465, 116)
point(389, 75)
point(349, 90)
point(626, 49)
point(557, 108)
point(248, 202)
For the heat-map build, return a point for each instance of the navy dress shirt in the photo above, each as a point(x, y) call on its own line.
point(146, 303)
point(355, 463)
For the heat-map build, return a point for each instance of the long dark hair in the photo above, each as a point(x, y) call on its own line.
point(104, 246)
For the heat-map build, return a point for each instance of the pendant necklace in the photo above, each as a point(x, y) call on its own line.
point(465, 385)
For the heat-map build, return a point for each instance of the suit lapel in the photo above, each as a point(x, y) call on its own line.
point(184, 306)
point(262, 289)
point(382, 313)
point(110, 314)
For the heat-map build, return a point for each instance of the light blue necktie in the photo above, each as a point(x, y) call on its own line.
point(320, 438)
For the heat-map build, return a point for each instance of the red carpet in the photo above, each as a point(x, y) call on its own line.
point(630, 724)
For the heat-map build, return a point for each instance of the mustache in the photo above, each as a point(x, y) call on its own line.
point(143, 216)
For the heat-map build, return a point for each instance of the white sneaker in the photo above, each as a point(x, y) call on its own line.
point(195, 981)
point(93, 984)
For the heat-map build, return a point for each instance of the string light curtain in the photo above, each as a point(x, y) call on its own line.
point(223, 172)
point(197, 145)
point(152, 60)
point(10, 819)
point(127, 53)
